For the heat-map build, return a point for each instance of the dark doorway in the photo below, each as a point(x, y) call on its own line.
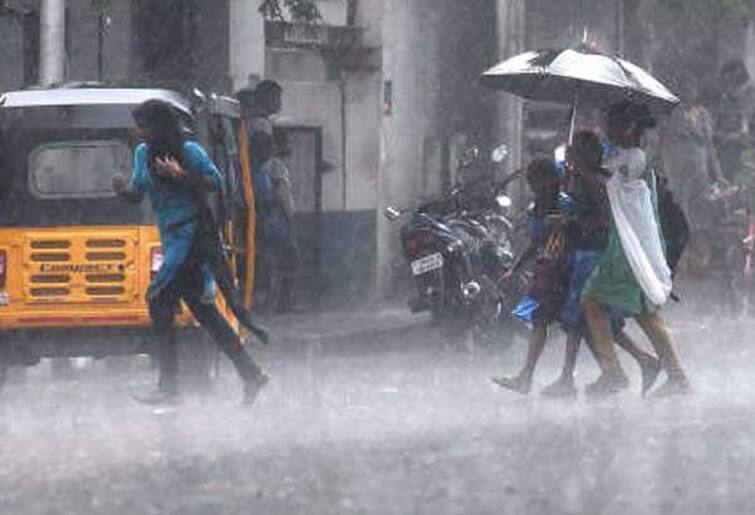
point(301, 148)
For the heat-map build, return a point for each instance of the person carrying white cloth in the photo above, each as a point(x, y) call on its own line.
point(632, 275)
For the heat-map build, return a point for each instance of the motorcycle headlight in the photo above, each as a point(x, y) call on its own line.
point(504, 202)
point(454, 247)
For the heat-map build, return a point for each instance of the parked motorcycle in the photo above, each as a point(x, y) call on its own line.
point(458, 246)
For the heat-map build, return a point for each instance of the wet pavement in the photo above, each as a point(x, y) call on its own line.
point(403, 425)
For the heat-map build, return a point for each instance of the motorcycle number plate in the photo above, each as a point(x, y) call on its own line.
point(427, 264)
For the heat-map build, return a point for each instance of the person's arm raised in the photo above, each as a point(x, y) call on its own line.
point(132, 190)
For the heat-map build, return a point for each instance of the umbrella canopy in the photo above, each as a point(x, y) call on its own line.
point(578, 76)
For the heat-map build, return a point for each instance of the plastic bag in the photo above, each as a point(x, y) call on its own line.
point(636, 223)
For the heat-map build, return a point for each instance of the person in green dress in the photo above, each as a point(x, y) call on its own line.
point(631, 276)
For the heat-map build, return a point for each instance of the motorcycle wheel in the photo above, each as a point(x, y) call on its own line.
point(453, 325)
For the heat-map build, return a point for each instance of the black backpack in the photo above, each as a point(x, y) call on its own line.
point(674, 224)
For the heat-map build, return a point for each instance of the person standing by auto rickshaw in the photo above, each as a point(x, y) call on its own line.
point(169, 170)
point(632, 275)
point(275, 208)
point(260, 104)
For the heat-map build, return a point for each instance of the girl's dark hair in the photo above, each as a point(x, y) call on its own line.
point(163, 122)
point(268, 87)
point(633, 112)
point(546, 168)
point(736, 71)
point(590, 140)
point(636, 112)
point(542, 166)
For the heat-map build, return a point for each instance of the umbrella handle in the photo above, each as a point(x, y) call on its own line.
point(573, 121)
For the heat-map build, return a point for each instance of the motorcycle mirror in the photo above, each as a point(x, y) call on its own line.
point(472, 152)
point(392, 213)
point(503, 201)
point(199, 95)
point(469, 156)
point(500, 153)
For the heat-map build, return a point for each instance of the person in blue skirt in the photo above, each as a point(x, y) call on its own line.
point(542, 305)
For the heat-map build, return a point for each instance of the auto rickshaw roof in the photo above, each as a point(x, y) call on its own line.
point(92, 96)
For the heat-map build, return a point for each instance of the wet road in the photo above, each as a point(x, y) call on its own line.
point(396, 427)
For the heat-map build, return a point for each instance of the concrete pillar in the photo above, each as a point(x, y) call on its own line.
point(247, 42)
point(510, 27)
point(52, 52)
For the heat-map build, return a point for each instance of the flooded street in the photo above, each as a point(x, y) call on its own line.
point(392, 427)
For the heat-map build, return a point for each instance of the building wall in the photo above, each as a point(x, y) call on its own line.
point(213, 46)
point(410, 55)
point(246, 43)
point(431, 52)
point(122, 60)
point(345, 108)
point(510, 38)
point(11, 52)
point(82, 42)
point(12, 46)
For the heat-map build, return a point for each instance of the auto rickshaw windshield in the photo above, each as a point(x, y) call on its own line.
point(60, 174)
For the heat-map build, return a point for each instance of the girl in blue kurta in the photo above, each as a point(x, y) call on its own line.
point(175, 208)
point(174, 173)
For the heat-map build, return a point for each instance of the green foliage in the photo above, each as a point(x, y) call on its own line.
point(743, 8)
point(305, 11)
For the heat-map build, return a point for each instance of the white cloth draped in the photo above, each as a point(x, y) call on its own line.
point(636, 223)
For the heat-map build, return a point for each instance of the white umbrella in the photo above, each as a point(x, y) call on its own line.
point(578, 77)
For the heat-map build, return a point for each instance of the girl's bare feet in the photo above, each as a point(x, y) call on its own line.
point(562, 388)
point(674, 386)
point(607, 385)
point(649, 368)
point(518, 384)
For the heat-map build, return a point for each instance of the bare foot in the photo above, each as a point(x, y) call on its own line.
point(562, 388)
point(607, 385)
point(674, 387)
point(516, 384)
point(649, 369)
